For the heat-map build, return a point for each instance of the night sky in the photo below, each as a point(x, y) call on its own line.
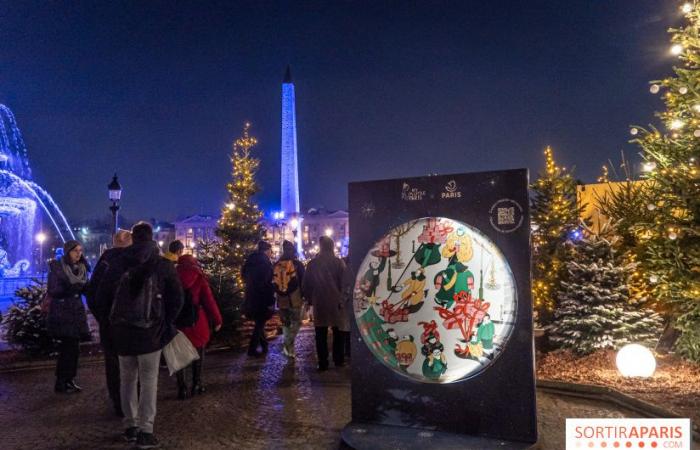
point(158, 90)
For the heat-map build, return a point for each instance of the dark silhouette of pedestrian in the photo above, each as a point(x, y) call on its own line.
point(259, 300)
point(323, 289)
point(120, 241)
point(67, 319)
point(146, 298)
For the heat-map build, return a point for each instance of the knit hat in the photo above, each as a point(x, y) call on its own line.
point(70, 245)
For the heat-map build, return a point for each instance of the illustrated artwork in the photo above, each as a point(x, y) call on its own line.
point(441, 313)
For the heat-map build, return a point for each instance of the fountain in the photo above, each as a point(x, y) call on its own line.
point(24, 207)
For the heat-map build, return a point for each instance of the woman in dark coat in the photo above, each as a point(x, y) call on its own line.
point(67, 320)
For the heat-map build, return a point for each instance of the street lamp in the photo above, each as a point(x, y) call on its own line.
point(115, 194)
point(41, 238)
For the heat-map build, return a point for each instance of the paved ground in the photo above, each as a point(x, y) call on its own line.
point(250, 404)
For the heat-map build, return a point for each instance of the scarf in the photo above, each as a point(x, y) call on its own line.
point(80, 274)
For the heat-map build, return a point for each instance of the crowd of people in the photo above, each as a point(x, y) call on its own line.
point(141, 299)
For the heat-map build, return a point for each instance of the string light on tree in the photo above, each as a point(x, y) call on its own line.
point(671, 232)
point(555, 214)
point(240, 225)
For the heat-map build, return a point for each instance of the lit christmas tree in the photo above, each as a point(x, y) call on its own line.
point(671, 236)
point(554, 214)
point(239, 226)
point(594, 310)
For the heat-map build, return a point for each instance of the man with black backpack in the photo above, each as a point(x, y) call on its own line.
point(146, 298)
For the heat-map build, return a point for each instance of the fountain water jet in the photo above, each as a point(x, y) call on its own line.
point(23, 204)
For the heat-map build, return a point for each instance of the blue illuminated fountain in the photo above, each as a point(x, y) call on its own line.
point(25, 207)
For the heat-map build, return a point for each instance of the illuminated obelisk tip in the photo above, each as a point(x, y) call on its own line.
point(290, 173)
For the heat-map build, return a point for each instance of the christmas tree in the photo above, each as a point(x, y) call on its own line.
point(24, 322)
point(554, 214)
point(672, 163)
point(624, 204)
point(594, 310)
point(370, 325)
point(239, 226)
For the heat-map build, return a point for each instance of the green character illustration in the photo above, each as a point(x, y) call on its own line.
point(486, 331)
point(435, 363)
point(433, 235)
point(456, 277)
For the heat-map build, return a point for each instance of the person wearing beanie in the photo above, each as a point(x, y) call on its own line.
point(288, 276)
point(138, 282)
point(67, 319)
point(259, 301)
point(323, 290)
point(120, 241)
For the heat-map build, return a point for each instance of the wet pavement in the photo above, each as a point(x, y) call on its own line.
point(251, 403)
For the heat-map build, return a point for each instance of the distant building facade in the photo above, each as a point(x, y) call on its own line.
point(193, 229)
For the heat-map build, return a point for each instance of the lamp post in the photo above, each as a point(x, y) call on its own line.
point(115, 194)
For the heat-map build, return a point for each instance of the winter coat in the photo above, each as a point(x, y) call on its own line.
point(194, 281)
point(143, 258)
point(323, 289)
point(259, 291)
point(292, 296)
point(101, 310)
point(67, 317)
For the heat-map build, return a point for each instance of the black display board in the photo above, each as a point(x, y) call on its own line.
point(467, 396)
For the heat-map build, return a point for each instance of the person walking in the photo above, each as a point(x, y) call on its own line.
point(259, 302)
point(323, 290)
point(67, 319)
point(120, 240)
point(146, 298)
point(198, 311)
point(288, 276)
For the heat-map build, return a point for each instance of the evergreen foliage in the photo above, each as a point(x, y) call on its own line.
point(239, 227)
point(594, 310)
point(554, 214)
point(24, 323)
point(671, 235)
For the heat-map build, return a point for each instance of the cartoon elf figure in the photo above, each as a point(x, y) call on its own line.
point(433, 235)
point(456, 277)
point(435, 363)
point(485, 332)
point(405, 352)
point(370, 280)
point(391, 339)
point(476, 349)
point(414, 291)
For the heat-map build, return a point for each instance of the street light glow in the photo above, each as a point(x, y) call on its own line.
point(41, 237)
point(329, 232)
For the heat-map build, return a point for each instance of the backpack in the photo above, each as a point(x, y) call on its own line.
point(284, 277)
point(138, 309)
point(189, 313)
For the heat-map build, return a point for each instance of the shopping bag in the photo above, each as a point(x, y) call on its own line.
point(179, 353)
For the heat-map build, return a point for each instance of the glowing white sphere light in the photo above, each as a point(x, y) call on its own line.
point(687, 7)
point(676, 49)
point(634, 131)
point(634, 360)
point(654, 89)
point(683, 90)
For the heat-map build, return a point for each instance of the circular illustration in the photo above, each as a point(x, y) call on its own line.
point(435, 300)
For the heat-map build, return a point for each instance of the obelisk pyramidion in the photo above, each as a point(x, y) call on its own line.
point(290, 175)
